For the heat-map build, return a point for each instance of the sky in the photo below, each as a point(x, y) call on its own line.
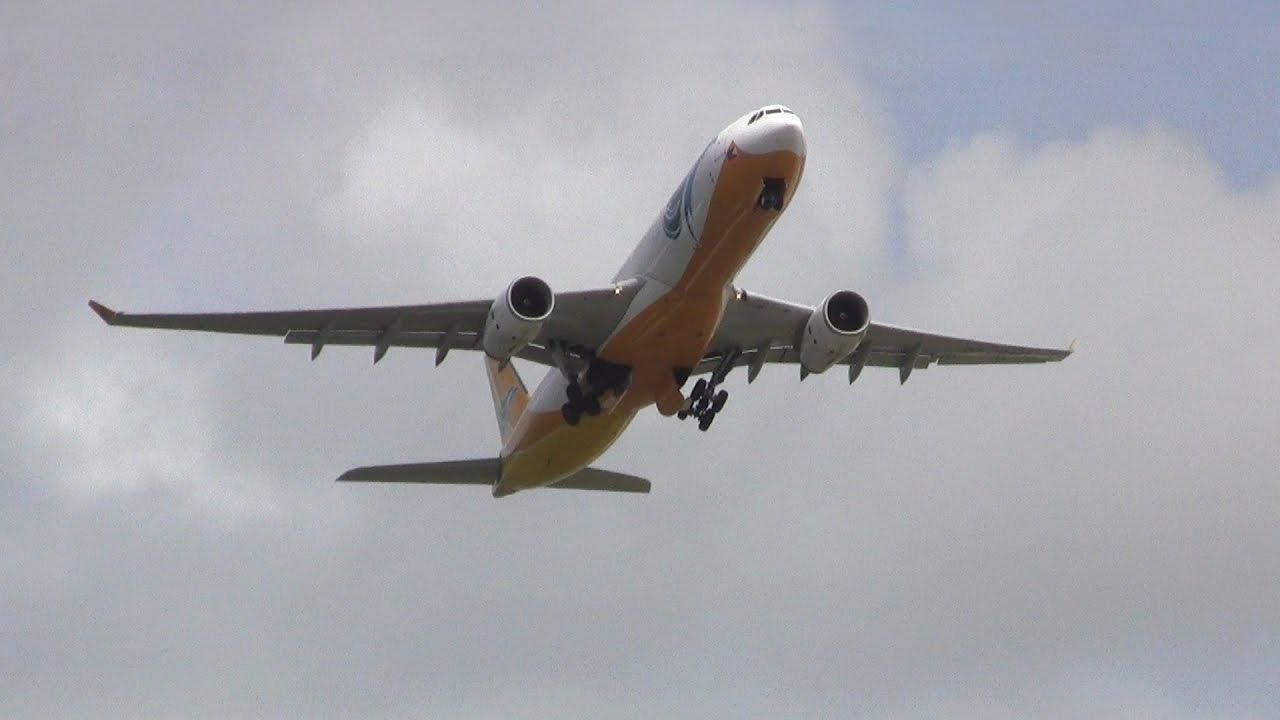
point(1091, 539)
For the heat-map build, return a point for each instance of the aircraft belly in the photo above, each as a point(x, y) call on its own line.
point(561, 450)
point(669, 326)
point(674, 259)
point(672, 327)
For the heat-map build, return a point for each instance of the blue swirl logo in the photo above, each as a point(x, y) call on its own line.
point(680, 206)
point(687, 197)
point(671, 216)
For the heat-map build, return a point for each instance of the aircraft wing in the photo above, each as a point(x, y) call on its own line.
point(758, 330)
point(581, 319)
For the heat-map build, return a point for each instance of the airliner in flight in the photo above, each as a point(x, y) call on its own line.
point(671, 313)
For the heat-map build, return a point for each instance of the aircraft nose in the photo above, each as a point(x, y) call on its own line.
point(786, 133)
point(774, 130)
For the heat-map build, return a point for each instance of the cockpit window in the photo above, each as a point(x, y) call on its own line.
point(768, 111)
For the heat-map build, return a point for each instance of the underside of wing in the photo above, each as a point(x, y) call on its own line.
point(581, 319)
point(758, 330)
point(892, 342)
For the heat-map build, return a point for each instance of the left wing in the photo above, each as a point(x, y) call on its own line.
point(757, 330)
point(580, 319)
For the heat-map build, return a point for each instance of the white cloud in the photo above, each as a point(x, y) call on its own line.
point(978, 542)
point(125, 422)
point(585, 158)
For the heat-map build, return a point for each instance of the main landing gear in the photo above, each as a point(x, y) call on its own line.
point(579, 404)
point(704, 403)
point(586, 388)
point(705, 400)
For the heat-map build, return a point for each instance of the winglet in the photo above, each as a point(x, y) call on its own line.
point(1072, 347)
point(107, 314)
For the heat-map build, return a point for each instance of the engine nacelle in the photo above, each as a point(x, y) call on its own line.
point(834, 330)
point(516, 316)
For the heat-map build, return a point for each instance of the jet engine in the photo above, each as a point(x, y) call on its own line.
point(834, 330)
point(516, 316)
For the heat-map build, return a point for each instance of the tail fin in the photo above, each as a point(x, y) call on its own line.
point(510, 397)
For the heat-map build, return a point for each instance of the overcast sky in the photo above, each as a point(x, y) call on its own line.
point(1099, 538)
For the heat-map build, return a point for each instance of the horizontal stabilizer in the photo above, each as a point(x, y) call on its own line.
point(597, 479)
point(486, 472)
point(453, 472)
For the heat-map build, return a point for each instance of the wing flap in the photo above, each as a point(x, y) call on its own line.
point(413, 339)
point(787, 355)
point(459, 341)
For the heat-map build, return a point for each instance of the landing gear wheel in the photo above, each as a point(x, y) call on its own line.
point(575, 394)
point(591, 405)
point(572, 415)
point(705, 399)
point(700, 408)
point(775, 189)
point(720, 399)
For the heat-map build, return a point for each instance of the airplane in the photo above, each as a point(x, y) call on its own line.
point(672, 312)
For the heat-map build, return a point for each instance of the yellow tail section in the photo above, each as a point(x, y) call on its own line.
point(510, 398)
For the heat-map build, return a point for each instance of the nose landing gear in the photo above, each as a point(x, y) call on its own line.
point(772, 195)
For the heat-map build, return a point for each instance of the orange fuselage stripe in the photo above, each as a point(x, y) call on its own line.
point(672, 332)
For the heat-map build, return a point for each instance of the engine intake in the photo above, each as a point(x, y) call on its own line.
point(834, 330)
point(516, 317)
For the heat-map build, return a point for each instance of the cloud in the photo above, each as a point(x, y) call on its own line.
point(1090, 538)
point(127, 422)
point(582, 156)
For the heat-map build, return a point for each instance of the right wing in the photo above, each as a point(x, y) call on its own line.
point(757, 330)
point(580, 319)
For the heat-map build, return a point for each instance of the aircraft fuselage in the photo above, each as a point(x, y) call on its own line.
point(686, 263)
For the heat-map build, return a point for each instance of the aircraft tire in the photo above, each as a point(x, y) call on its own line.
point(700, 408)
point(574, 392)
point(720, 399)
point(572, 415)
